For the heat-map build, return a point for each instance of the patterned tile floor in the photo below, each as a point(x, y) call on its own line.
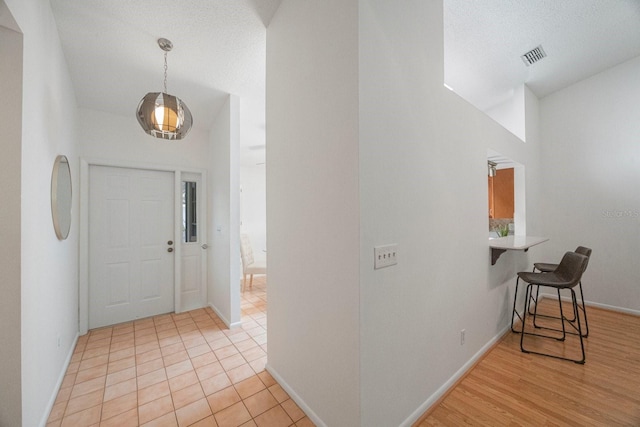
point(184, 369)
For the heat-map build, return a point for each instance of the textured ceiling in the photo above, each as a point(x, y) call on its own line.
point(220, 45)
point(219, 49)
point(484, 40)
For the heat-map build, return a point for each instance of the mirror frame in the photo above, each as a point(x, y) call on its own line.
point(57, 212)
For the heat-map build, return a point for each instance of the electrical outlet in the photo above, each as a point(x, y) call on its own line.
point(462, 336)
point(384, 256)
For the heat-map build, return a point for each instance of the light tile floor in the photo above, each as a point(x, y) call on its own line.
point(184, 369)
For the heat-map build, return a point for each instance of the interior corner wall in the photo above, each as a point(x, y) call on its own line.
point(592, 170)
point(534, 172)
point(511, 113)
point(10, 226)
point(423, 186)
point(49, 267)
point(223, 282)
point(313, 207)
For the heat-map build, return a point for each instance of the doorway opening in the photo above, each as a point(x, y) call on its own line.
point(253, 224)
point(506, 196)
point(142, 222)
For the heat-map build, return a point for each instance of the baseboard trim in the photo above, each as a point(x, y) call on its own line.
point(423, 410)
point(598, 305)
point(56, 389)
point(295, 397)
point(613, 308)
point(224, 319)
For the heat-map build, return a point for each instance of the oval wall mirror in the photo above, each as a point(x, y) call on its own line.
point(61, 197)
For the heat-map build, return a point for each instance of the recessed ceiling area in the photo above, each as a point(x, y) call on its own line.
point(485, 39)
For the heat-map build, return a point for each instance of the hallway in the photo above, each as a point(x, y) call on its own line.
point(177, 370)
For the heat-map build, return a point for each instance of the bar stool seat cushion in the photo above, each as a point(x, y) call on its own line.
point(545, 266)
point(546, 279)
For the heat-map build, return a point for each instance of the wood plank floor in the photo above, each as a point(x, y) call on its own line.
point(511, 388)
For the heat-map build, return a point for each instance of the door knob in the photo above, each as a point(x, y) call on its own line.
point(170, 250)
point(205, 246)
point(170, 242)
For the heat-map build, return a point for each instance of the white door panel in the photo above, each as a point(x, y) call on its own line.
point(131, 221)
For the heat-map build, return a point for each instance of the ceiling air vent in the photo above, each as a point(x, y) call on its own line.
point(533, 56)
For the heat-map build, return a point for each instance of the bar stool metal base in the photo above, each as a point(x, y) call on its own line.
point(581, 307)
point(562, 317)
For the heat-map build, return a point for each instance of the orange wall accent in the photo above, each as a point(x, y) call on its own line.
point(503, 194)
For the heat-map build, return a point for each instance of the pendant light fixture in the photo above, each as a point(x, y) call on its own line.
point(163, 115)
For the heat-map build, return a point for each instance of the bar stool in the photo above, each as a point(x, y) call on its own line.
point(547, 268)
point(566, 276)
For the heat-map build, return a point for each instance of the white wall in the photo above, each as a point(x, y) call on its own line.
point(49, 301)
point(253, 205)
point(423, 186)
point(412, 173)
point(312, 206)
point(10, 226)
point(592, 170)
point(117, 138)
point(511, 113)
point(224, 214)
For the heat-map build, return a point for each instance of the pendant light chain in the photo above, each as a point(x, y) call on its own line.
point(165, 72)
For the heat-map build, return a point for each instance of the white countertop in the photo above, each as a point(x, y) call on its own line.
point(521, 243)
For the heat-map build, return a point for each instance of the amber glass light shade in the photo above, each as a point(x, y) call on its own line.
point(164, 116)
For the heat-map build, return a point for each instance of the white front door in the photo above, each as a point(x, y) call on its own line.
point(193, 265)
point(131, 243)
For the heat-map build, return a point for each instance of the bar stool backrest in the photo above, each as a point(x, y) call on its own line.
point(584, 251)
point(571, 268)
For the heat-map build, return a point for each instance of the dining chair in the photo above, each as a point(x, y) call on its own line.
point(249, 264)
point(566, 276)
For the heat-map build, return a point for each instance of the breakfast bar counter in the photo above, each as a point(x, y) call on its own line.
point(514, 243)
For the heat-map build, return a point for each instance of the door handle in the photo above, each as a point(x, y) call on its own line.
point(205, 246)
point(170, 250)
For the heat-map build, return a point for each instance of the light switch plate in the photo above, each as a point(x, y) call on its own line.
point(385, 256)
